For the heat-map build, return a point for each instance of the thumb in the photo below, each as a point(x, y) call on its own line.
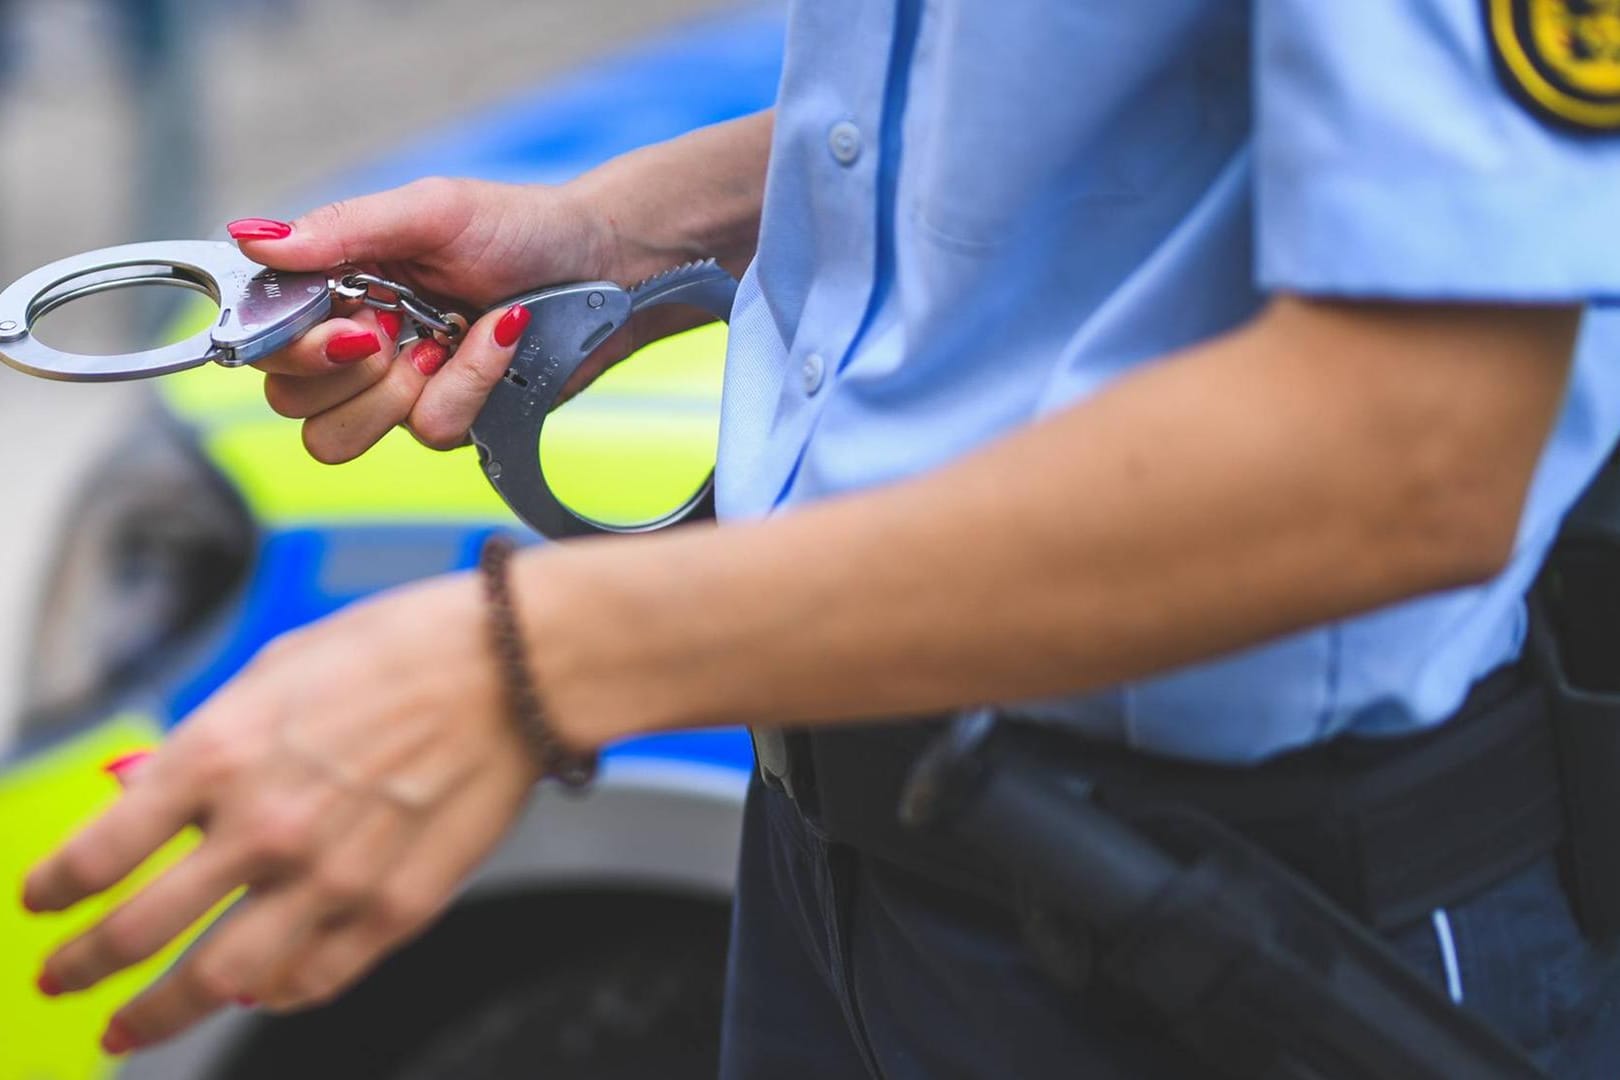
point(404, 223)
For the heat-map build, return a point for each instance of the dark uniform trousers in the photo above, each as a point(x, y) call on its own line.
point(843, 965)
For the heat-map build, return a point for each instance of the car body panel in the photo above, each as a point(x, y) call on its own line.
point(666, 810)
point(43, 800)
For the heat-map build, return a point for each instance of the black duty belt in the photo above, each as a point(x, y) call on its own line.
point(1389, 828)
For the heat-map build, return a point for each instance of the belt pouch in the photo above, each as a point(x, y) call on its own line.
point(1575, 638)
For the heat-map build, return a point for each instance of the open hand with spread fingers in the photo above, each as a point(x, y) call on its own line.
point(346, 789)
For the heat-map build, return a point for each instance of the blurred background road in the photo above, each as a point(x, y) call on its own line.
point(291, 91)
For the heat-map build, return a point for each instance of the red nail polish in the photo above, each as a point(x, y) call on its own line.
point(121, 765)
point(48, 984)
point(258, 228)
point(429, 356)
point(391, 323)
point(117, 1039)
point(352, 346)
point(248, 1002)
point(511, 326)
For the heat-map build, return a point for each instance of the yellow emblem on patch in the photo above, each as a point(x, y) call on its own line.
point(1562, 57)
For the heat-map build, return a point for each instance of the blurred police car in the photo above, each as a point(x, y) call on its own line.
point(592, 943)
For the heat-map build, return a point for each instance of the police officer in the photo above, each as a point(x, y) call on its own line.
point(1207, 379)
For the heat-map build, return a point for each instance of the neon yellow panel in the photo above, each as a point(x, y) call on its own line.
point(42, 801)
point(643, 437)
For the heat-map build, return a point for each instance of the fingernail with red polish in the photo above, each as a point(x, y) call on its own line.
point(391, 323)
point(511, 326)
point(48, 984)
point(258, 228)
point(121, 766)
point(429, 356)
point(248, 1002)
point(352, 346)
point(117, 1039)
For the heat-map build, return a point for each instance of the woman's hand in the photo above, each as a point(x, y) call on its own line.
point(467, 245)
point(349, 779)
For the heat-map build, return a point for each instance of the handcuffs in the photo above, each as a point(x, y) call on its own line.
point(263, 310)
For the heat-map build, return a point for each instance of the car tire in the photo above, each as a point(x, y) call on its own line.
point(565, 988)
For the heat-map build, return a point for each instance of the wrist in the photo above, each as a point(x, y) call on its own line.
point(592, 638)
point(526, 707)
point(548, 613)
point(445, 663)
point(627, 244)
point(695, 197)
point(604, 254)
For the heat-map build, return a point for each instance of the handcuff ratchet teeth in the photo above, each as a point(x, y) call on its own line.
point(264, 310)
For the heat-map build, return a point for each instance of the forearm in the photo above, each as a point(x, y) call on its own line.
point(694, 197)
point(1255, 485)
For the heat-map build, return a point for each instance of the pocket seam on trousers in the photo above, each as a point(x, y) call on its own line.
point(843, 863)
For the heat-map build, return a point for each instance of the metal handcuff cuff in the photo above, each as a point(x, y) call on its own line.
point(263, 310)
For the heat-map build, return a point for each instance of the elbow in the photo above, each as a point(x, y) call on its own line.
point(1461, 512)
point(1448, 408)
point(1484, 553)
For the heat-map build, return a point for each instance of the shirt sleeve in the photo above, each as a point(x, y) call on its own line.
point(1396, 157)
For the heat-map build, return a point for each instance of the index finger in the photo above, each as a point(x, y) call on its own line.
point(391, 225)
point(109, 848)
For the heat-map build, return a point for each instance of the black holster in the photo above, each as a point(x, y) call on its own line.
point(1575, 642)
point(1242, 962)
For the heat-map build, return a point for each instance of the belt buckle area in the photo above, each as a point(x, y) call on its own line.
point(783, 760)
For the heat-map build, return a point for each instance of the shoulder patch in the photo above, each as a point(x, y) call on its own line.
point(1561, 58)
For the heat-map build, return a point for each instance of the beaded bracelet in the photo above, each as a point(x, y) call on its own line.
point(528, 714)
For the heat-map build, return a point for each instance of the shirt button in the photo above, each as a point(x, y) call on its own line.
point(814, 372)
point(845, 142)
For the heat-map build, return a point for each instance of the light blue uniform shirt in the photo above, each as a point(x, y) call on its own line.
point(979, 213)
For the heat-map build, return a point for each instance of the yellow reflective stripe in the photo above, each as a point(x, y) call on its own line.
point(43, 800)
point(397, 480)
point(632, 447)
